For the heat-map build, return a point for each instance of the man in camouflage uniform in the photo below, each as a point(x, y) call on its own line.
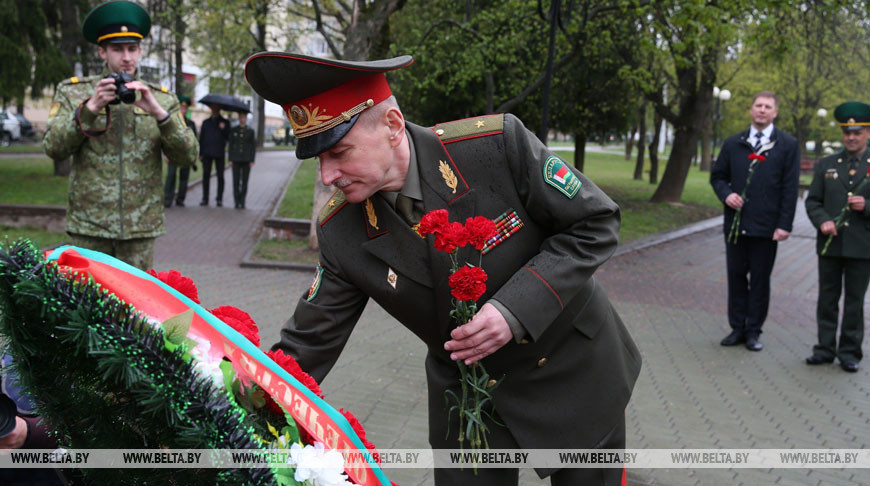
point(115, 197)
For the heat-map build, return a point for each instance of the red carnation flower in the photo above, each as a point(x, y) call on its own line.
point(479, 231)
point(467, 283)
point(240, 321)
point(757, 157)
point(288, 364)
point(451, 237)
point(433, 222)
point(360, 431)
point(177, 281)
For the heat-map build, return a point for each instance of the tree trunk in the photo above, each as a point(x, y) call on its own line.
point(179, 50)
point(641, 128)
point(543, 131)
point(61, 167)
point(579, 150)
point(629, 141)
point(368, 31)
point(654, 149)
point(706, 145)
point(696, 96)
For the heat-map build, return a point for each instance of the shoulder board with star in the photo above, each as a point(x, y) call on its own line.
point(336, 202)
point(480, 126)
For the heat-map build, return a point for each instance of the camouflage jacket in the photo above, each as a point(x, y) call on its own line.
point(115, 182)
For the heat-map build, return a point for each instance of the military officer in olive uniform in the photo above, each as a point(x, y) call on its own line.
point(241, 152)
point(545, 324)
point(115, 198)
point(842, 180)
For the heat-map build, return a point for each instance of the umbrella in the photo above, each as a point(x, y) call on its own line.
point(227, 102)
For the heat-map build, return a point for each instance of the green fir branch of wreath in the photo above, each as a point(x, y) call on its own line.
point(80, 351)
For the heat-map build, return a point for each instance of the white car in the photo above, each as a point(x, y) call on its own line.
point(10, 128)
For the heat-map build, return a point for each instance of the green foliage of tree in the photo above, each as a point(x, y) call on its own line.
point(470, 58)
point(29, 53)
point(812, 56)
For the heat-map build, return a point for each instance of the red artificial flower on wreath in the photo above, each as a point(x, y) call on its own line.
point(432, 222)
point(451, 237)
point(238, 320)
point(467, 283)
point(479, 230)
point(757, 157)
point(179, 282)
point(288, 364)
point(360, 431)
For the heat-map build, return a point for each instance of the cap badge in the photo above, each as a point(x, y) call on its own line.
point(851, 120)
point(124, 28)
point(302, 118)
point(370, 214)
point(448, 175)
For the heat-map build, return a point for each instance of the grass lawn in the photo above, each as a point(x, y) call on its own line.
point(295, 251)
point(640, 217)
point(299, 198)
point(31, 180)
point(40, 238)
point(22, 148)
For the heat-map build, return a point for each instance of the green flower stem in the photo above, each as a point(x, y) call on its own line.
point(840, 220)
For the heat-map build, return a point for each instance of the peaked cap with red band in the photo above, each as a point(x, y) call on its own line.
point(321, 97)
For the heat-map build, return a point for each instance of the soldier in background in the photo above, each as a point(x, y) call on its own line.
point(183, 172)
point(116, 174)
point(844, 264)
point(242, 150)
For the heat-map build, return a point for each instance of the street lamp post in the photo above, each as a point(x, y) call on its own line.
point(720, 95)
point(822, 113)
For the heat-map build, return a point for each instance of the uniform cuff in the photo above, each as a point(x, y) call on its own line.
point(517, 328)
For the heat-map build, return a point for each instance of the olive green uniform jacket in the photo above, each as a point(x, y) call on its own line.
point(828, 193)
point(243, 144)
point(115, 181)
point(568, 384)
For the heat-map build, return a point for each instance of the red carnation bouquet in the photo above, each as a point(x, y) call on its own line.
point(467, 285)
point(734, 233)
point(840, 220)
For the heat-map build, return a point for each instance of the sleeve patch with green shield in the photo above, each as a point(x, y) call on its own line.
point(558, 175)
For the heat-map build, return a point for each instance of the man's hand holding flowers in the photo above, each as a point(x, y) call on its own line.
point(485, 334)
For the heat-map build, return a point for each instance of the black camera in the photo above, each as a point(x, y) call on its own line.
point(124, 93)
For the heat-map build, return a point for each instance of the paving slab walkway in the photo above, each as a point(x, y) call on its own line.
point(692, 393)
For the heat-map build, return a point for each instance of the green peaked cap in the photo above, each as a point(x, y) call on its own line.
point(116, 21)
point(853, 115)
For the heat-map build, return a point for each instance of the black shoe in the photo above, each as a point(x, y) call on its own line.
point(752, 344)
point(203, 203)
point(179, 203)
point(219, 203)
point(733, 339)
point(242, 205)
point(238, 206)
point(817, 359)
point(167, 205)
point(849, 365)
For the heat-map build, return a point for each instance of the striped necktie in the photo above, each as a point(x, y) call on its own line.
point(758, 136)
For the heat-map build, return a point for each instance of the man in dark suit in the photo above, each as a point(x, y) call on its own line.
point(836, 204)
point(213, 135)
point(765, 204)
point(545, 324)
